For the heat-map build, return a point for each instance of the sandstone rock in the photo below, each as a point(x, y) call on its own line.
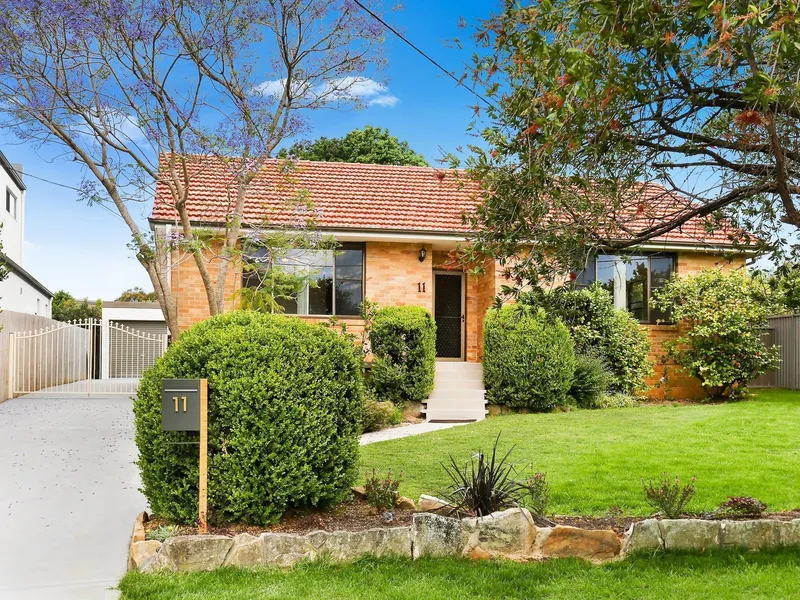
point(435, 535)
point(690, 534)
point(644, 536)
point(287, 549)
point(138, 534)
point(789, 533)
point(245, 551)
point(479, 554)
point(193, 552)
point(434, 505)
point(142, 552)
point(358, 491)
point(592, 544)
point(506, 532)
point(753, 535)
point(342, 546)
point(404, 503)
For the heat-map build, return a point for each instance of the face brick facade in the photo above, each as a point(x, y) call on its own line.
point(396, 212)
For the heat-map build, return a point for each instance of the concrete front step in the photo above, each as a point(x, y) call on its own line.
point(458, 393)
point(434, 414)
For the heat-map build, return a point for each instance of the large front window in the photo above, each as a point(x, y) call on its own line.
point(335, 280)
point(631, 280)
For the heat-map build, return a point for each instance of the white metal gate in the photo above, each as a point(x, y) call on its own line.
point(82, 357)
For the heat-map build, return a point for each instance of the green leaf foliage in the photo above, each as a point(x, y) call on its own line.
point(379, 415)
point(721, 317)
point(67, 308)
point(371, 145)
point(284, 417)
point(528, 358)
point(590, 382)
point(403, 341)
point(599, 329)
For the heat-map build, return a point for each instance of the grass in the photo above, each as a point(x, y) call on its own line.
point(729, 576)
point(595, 460)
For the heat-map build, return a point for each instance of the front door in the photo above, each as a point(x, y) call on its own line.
point(448, 312)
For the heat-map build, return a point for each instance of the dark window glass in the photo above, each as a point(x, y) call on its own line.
point(661, 268)
point(606, 271)
point(588, 276)
point(11, 203)
point(636, 286)
point(320, 298)
point(349, 295)
point(349, 279)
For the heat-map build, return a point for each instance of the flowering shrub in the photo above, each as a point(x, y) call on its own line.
point(669, 497)
point(721, 317)
point(381, 492)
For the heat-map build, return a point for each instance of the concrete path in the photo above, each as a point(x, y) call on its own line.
point(395, 433)
point(68, 496)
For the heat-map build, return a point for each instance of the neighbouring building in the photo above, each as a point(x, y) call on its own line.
point(397, 227)
point(20, 291)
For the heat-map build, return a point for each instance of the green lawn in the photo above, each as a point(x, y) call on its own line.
point(596, 459)
point(719, 577)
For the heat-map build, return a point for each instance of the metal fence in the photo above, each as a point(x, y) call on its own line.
point(783, 331)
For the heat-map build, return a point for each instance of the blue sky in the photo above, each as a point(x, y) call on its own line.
point(82, 249)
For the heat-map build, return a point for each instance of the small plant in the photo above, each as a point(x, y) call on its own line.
point(484, 484)
point(741, 506)
point(590, 381)
point(668, 496)
point(616, 400)
point(537, 492)
point(162, 532)
point(379, 415)
point(381, 492)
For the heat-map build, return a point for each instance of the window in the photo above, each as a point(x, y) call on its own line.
point(630, 280)
point(338, 276)
point(11, 203)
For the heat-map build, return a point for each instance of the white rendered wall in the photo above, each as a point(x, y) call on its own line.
point(18, 295)
point(12, 232)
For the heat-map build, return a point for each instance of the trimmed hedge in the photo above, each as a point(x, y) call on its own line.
point(403, 342)
point(600, 329)
point(285, 412)
point(528, 359)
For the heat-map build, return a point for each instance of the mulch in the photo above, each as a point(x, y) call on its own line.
point(357, 515)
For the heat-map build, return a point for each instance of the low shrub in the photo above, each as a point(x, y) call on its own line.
point(528, 359)
point(590, 381)
point(722, 317)
point(381, 492)
point(616, 400)
point(599, 329)
point(668, 496)
point(537, 493)
point(380, 415)
point(162, 532)
point(741, 506)
point(403, 342)
point(484, 484)
point(284, 419)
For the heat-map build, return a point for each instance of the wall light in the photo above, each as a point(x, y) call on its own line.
point(422, 254)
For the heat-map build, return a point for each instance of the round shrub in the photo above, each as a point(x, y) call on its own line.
point(528, 359)
point(590, 381)
point(284, 416)
point(600, 329)
point(403, 342)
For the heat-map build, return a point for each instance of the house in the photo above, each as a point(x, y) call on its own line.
point(397, 226)
point(20, 291)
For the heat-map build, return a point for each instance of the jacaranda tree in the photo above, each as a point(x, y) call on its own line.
point(128, 88)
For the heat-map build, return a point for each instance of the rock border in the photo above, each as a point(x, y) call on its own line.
point(508, 534)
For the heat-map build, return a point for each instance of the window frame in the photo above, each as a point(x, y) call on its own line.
point(648, 320)
point(362, 246)
point(11, 204)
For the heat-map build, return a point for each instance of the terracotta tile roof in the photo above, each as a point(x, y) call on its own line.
point(380, 198)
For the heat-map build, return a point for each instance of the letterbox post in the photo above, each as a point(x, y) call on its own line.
point(203, 456)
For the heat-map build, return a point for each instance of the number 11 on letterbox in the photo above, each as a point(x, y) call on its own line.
point(184, 407)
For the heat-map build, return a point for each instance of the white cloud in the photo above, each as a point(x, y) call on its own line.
point(363, 89)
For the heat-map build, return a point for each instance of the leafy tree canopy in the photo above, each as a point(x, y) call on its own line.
point(137, 294)
point(589, 98)
point(67, 308)
point(371, 145)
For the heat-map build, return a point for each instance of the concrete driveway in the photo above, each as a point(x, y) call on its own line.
point(68, 496)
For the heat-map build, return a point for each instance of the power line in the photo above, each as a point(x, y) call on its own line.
point(421, 52)
point(73, 188)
